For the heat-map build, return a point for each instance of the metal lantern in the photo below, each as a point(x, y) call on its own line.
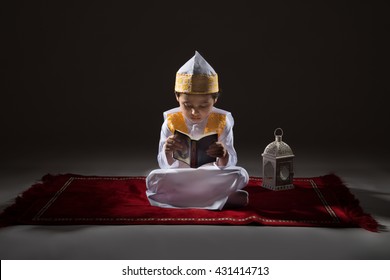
point(278, 166)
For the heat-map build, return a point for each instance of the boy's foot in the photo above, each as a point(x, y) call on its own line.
point(238, 199)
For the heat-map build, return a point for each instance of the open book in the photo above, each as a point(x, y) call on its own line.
point(194, 151)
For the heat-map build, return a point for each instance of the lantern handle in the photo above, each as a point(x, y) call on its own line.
point(278, 137)
point(278, 129)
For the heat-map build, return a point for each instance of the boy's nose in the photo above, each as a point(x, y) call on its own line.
point(194, 112)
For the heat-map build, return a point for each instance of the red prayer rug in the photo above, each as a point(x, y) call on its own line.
point(71, 199)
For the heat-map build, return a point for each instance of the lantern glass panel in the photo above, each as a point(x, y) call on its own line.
point(284, 172)
point(269, 171)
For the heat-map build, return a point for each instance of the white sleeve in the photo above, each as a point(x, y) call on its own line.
point(161, 157)
point(227, 139)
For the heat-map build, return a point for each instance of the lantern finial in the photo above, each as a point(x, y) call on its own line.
point(278, 137)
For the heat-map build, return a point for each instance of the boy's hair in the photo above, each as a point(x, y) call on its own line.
point(213, 95)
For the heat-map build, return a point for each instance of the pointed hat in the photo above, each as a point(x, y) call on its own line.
point(196, 76)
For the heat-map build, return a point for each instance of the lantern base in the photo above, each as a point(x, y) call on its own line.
point(279, 188)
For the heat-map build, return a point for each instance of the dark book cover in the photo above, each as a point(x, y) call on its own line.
point(194, 151)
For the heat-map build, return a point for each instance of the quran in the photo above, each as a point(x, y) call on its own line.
point(194, 152)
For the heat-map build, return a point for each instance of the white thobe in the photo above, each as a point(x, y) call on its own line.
point(206, 187)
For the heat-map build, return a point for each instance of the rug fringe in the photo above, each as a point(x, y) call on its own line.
point(10, 213)
point(352, 205)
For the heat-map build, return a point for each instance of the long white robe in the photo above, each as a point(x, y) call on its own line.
point(206, 187)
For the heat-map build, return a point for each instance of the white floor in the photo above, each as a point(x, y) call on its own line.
point(367, 178)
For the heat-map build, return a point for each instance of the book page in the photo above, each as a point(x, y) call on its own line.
point(203, 145)
point(183, 155)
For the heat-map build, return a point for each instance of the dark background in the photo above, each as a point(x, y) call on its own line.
point(97, 75)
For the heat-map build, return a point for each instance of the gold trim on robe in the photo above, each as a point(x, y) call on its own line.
point(176, 121)
point(215, 123)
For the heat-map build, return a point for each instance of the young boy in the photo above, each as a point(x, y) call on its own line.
point(212, 186)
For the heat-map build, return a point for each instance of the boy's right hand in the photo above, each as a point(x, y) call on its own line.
point(172, 144)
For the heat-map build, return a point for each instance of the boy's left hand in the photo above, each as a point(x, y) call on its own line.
point(217, 149)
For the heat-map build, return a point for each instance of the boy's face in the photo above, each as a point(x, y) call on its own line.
point(196, 107)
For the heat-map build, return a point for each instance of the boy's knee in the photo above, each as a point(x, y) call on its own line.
point(242, 176)
point(152, 179)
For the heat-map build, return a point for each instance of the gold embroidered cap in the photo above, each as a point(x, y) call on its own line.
point(196, 76)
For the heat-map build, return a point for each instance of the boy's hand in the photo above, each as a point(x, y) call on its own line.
point(218, 150)
point(172, 144)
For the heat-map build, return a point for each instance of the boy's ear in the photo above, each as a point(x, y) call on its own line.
point(215, 100)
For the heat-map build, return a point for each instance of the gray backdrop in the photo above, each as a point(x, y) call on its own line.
point(93, 76)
